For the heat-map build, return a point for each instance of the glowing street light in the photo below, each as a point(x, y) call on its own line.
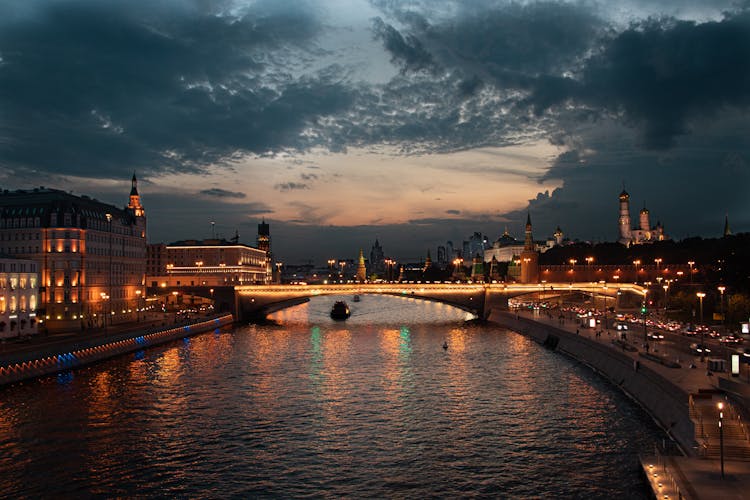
point(720, 406)
point(691, 263)
point(658, 262)
point(700, 296)
point(721, 289)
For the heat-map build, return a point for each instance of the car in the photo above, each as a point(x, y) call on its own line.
point(700, 349)
point(730, 339)
point(656, 336)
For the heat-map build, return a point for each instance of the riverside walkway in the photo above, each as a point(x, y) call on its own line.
point(43, 355)
point(675, 477)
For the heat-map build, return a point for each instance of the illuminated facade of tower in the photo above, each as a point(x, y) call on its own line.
point(644, 233)
point(529, 257)
point(361, 268)
point(625, 235)
point(264, 244)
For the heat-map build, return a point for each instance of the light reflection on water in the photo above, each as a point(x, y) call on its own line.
point(323, 408)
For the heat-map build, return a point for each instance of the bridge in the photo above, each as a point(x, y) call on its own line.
point(256, 301)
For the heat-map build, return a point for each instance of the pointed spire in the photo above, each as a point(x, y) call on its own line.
point(134, 186)
point(528, 219)
point(727, 229)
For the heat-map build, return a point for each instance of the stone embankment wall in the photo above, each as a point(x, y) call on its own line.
point(667, 403)
point(54, 359)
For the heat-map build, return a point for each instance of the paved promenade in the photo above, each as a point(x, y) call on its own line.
point(686, 476)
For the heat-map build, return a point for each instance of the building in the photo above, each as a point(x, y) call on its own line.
point(529, 257)
point(377, 260)
point(361, 276)
point(264, 244)
point(644, 233)
point(211, 262)
point(19, 297)
point(91, 255)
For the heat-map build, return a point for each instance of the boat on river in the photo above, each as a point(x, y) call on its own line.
point(356, 298)
point(340, 311)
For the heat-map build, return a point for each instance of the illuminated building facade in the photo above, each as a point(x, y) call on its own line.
point(212, 262)
point(91, 255)
point(19, 297)
point(644, 233)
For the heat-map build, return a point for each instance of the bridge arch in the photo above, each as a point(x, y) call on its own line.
point(255, 302)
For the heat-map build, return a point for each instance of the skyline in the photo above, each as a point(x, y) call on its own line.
point(412, 122)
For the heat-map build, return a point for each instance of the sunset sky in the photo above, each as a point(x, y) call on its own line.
point(410, 121)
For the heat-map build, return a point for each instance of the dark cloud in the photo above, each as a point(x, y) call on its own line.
point(291, 186)
point(688, 188)
point(453, 212)
point(223, 193)
point(309, 177)
point(407, 51)
point(661, 73)
point(93, 86)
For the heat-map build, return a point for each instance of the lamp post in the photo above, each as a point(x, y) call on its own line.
point(589, 260)
point(278, 271)
point(658, 262)
point(721, 436)
point(643, 311)
point(636, 263)
point(138, 305)
point(342, 264)
point(721, 289)
point(700, 296)
point(109, 312)
point(331, 263)
point(691, 263)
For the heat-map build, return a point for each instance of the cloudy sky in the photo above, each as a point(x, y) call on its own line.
point(413, 121)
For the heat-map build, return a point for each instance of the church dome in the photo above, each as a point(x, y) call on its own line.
point(624, 196)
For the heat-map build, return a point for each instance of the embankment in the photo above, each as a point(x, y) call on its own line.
point(667, 403)
point(79, 352)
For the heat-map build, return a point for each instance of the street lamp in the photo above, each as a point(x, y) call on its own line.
point(636, 263)
point(721, 436)
point(658, 262)
point(109, 221)
point(138, 305)
point(700, 296)
point(691, 263)
point(721, 289)
point(589, 260)
point(278, 271)
point(644, 311)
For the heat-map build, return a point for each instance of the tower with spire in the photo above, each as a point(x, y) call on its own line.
point(625, 235)
point(135, 199)
point(727, 229)
point(529, 256)
point(644, 233)
point(361, 268)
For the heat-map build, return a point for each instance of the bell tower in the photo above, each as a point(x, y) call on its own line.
point(135, 199)
point(625, 233)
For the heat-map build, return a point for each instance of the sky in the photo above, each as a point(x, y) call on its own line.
point(410, 121)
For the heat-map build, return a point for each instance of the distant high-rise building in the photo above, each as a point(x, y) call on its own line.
point(377, 259)
point(264, 244)
point(442, 257)
point(727, 230)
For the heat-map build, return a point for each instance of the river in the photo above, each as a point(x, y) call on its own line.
point(308, 407)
